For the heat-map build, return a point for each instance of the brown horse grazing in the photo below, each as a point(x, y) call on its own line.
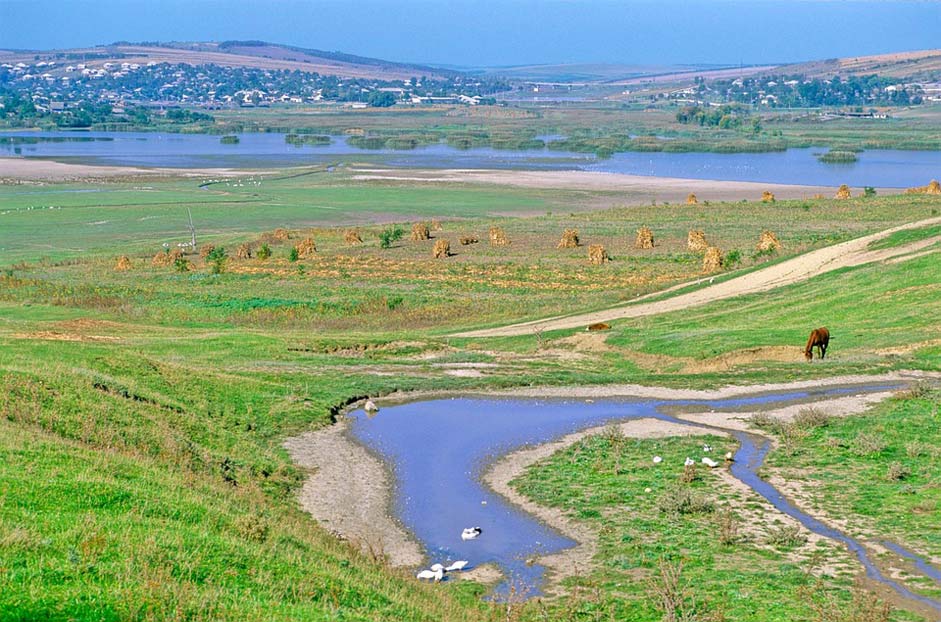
point(819, 338)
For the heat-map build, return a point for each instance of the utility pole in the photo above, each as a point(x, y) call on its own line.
point(192, 229)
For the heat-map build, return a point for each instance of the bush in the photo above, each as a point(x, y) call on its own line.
point(682, 500)
point(252, 527)
point(786, 536)
point(733, 258)
point(264, 252)
point(181, 264)
point(390, 235)
point(217, 257)
point(867, 444)
point(897, 472)
point(869, 191)
point(294, 255)
point(810, 418)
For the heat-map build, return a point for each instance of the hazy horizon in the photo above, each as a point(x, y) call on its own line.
point(491, 33)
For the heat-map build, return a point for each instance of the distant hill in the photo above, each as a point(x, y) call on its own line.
point(919, 65)
point(257, 54)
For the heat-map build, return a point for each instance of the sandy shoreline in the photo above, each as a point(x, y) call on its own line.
point(37, 169)
point(350, 490)
point(637, 188)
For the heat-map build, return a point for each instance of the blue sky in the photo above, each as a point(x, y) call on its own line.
point(498, 32)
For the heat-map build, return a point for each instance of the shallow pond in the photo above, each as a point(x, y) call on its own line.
point(438, 450)
point(879, 168)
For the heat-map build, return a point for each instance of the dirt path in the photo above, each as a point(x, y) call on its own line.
point(801, 268)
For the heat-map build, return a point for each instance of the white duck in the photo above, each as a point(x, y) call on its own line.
point(657, 459)
point(471, 533)
point(709, 462)
point(728, 456)
point(689, 462)
point(370, 406)
point(456, 566)
point(431, 575)
point(707, 448)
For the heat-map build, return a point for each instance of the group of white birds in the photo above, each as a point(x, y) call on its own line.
point(709, 462)
point(437, 571)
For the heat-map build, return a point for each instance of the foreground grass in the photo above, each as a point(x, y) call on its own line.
point(877, 473)
point(142, 412)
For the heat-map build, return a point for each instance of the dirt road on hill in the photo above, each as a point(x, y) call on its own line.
point(801, 268)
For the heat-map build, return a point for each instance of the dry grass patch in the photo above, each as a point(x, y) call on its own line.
point(498, 237)
point(597, 255)
point(244, 251)
point(442, 249)
point(696, 241)
point(351, 236)
point(712, 259)
point(569, 239)
point(768, 241)
point(420, 232)
point(644, 238)
point(306, 248)
point(932, 188)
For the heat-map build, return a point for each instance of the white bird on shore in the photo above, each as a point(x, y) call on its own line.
point(689, 462)
point(657, 459)
point(433, 575)
point(707, 448)
point(455, 566)
point(437, 567)
point(471, 533)
point(728, 456)
point(709, 462)
point(370, 406)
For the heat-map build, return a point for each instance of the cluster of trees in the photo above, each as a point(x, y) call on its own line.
point(722, 117)
point(797, 91)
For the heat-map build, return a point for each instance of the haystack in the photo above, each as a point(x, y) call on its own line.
point(712, 260)
point(644, 238)
point(467, 240)
point(305, 248)
point(244, 251)
point(767, 196)
point(569, 239)
point(696, 241)
point(123, 264)
point(843, 192)
point(161, 259)
point(352, 237)
point(420, 232)
point(597, 255)
point(173, 255)
point(281, 234)
point(498, 237)
point(206, 250)
point(691, 199)
point(442, 249)
point(768, 241)
point(933, 188)
point(436, 225)
point(598, 326)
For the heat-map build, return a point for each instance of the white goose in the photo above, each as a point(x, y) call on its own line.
point(709, 462)
point(470, 533)
point(689, 462)
point(431, 575)
point(455, 566)
point(370, 406)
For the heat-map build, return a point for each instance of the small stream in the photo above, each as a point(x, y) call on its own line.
point(438, 450)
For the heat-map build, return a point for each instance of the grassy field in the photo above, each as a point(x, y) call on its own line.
point(142, 414)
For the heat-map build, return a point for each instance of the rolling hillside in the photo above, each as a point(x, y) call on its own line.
point(258, 54)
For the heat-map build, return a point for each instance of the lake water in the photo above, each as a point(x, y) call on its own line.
point(439, 449)
point(879, 168)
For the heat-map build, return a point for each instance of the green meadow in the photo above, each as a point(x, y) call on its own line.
point(142, 413)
